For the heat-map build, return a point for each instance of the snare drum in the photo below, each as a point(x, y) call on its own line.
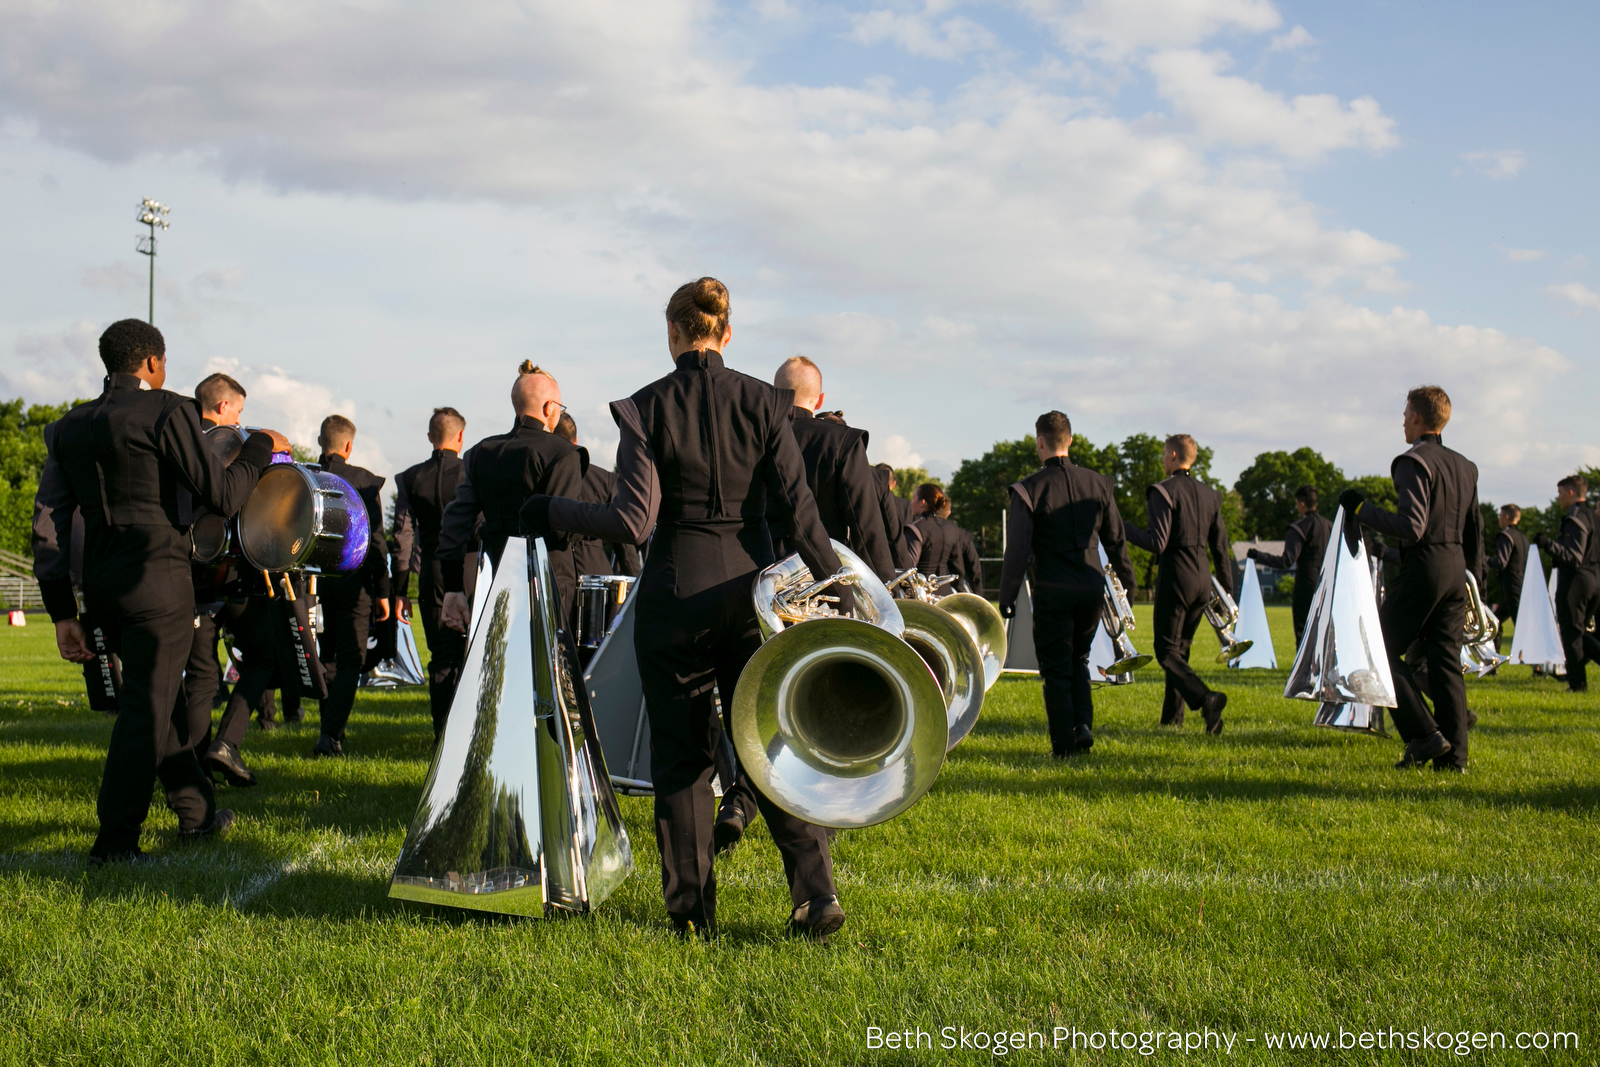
point(303, 518)
point(599, 598)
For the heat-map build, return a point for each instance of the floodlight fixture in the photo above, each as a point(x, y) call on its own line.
point(152, 213)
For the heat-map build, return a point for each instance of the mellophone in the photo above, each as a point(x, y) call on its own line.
point(298, 518)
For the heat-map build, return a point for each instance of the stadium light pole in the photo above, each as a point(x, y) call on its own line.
point(152, 213)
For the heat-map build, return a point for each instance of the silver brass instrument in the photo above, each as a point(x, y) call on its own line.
point(981, 618)
point(1478, 635)
point(836, 718)
point(517, 815)
point(1222, 613)
point(1116, 615)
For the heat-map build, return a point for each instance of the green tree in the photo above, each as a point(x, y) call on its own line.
point(906, 480)
point(978, 496)
point(1266, 489)
point(21, 460)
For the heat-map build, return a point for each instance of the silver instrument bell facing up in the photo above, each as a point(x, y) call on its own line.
point(518, 814)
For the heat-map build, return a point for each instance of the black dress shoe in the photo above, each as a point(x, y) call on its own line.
point(327, 746)
point(1422, 750)
point(1450, 766)
point(225, 760)
point(267, 725)
point(1211, 710)
point(729, 828)
point(817, 919)
point(134, 857)
point(1472, 718)
point(221, 822)
point(1083, 738)
point(294, 716)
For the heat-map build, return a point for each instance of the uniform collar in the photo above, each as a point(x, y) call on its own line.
point(331, 462)
point(440, 453)
point(208, 423)
point(1181, 470)
point(1432, 438)
point(700, 359)
point(1058, 461)
point(124, 381)
point(525, 425)
point(802, 413)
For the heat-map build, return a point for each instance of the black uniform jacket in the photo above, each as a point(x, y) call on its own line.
point(590, 554)
point(843, 485)
point(1577, 548)
point(948, 549)
point(1511, 560)
point(1438, 505)
point(135, 462)
point(1303, 548)
point(1185, 522)
point(422, 492)
point(1058, 517)
point(706, 455)
point(374, 573)
point(905, 540)
point(502, 472)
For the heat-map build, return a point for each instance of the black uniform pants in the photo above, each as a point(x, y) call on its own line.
point(1300, 608)
point(1427, 608)
point(1509, 606)
point(250, 624)
point(1064, 626)
point(1177, 616)
point(346, 618)
point(447, 648)
point(1577, 600)
point(685, 648)
point(201, 676)
point(151, 740)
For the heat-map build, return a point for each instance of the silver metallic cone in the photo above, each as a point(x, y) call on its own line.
point(1357, 718)
point(1342, 658)
point(1021, 657)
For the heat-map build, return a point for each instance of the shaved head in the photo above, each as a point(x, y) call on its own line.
point(537, 396)
point(804, 378)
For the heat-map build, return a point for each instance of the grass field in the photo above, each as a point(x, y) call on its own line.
point(1275, 880)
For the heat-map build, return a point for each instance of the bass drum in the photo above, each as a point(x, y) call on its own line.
point(303, 518)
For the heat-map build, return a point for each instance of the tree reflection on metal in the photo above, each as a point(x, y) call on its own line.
point(1342, 659)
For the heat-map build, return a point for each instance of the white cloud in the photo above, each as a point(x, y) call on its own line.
point(1237, 111)
point(1579, 294)
point(296, 407)
point(1115, 28)
point(1293, 41)
point(57, 366)
point(896, 451)
point(1521, 255)
point(921, 34)
point(1496, 166)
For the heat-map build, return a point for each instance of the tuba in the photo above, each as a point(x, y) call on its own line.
point(517, 815)
point(1222, 613)
point(1478, 635)
point(980, 618)
point(836, 718)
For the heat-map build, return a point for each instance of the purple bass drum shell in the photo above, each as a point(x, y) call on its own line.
point(302, 518)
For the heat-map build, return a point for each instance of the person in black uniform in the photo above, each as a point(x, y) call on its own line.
point(422, 493)
point(945, 549)
point(349, 601)
point(135, 461)
point(1185, 522)
point(1303, 548)
point(1511, 560)
point(1058, 518)
point(709, 453)
point(1576, 552)
point(1440, 530)
point(837, 473)
point(905, 540)
point(591, 555)
point(966, 562)
point(501, 472)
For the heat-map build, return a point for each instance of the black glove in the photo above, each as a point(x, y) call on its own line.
point(1542, 540)
point(1350, 500)
point(1008, 611)
point(534, 518)
point(1254, 553)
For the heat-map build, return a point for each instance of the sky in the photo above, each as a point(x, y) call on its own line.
point(1258, 223)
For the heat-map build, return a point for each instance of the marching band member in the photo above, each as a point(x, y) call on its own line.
point(707, 452)
point(1441, 535)
point(946, 547)
point(135, 461)
point(1057, 519)
point(1185, 521)
point(1303, 547)
point(1577, 555)
point(422, 493)
point(348, 600)
point(589, 555)
point(905, 540)
point(1511, 560)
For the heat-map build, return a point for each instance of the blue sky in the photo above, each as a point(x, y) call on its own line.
point(1254, 222)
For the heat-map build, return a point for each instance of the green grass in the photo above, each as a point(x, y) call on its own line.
point(1278, 878)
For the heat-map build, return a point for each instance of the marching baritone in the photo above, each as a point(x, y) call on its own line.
point(1511, 560)
point(706, 454)
point(1440, 531)
point(422, 492)
point(1185, 523)
point(348, 600)
point(135, 461)
point(1057, 519)
point(1576, 551)
point(1303, 547)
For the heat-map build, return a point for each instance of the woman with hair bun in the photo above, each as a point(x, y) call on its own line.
point(703, 451)
point(946, 547)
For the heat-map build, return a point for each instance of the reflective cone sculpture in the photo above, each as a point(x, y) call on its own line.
point(517, 816)
point(1342, 658)
point(1021, 657)
point(1537, 639)
point(1252, 628)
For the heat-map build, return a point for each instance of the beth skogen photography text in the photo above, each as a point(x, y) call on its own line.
point(779, 532)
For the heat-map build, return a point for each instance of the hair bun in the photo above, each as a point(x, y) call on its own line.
point(527, 367)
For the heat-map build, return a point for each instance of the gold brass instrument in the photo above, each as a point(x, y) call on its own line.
point(1116, 615)
point(1222, 613)
point(1478, 635)
point(836, 719)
